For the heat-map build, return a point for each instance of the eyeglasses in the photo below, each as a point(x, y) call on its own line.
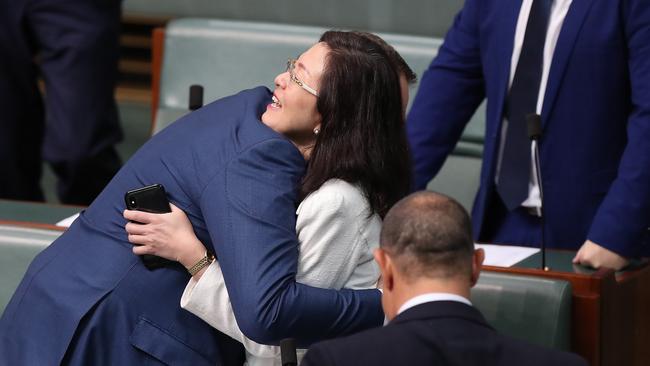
point(291, 66)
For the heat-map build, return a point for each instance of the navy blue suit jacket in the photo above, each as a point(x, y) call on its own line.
point(435, 333)
point(595, 151)
point(87, 299)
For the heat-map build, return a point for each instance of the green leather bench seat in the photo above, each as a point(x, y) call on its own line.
point(18, 246)
point(533, 309)
point(422, 17)
point(458, 178)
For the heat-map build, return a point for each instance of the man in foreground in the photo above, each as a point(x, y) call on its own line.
point(428, 265)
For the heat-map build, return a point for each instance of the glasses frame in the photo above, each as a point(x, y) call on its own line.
point(291, 66)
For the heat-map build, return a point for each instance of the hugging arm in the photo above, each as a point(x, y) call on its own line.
point(252, 226)
point(330, 245)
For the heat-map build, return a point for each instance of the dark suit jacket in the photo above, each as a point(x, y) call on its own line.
point(435, 333)
point(595, 155)
point(89, 299)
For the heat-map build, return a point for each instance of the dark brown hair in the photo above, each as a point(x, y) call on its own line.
point(362, 138)
point(398, 62)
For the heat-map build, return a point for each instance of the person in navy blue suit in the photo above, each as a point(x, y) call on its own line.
point(73, 45)
point(88, 300)
point(592, 90)
point(428, 265)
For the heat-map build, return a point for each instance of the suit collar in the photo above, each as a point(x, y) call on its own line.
point(441, 309)
point(563, 50)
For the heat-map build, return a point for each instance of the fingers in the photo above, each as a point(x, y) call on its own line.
point(584, 253)
point(139, 216)
point(139, 239)
point(577, 258)
point(134, 228)
point(584, 257)
point(595, 256)
point(141, 249)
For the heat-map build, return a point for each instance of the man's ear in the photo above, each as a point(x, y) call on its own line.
point(477, 264)
point(386, 268)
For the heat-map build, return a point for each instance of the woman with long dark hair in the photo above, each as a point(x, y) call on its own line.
point(358, 167)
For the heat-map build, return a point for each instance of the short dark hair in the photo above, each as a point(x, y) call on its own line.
point(429, 235)
point(398, 62)
point(362, 139)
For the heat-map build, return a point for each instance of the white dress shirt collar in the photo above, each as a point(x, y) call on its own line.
point(432, 296)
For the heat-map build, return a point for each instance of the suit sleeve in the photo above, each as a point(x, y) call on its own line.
point(450, 91)
point(623, 217)
point(203, 297)
point(251, 220)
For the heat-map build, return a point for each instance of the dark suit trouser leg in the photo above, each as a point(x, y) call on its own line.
point(21, 110)
point(78, 59)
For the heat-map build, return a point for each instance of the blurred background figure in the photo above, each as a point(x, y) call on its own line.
point(73, 46)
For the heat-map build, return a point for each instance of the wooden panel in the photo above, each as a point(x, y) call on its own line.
point(610, 323)
point(158, 37)
point(135, 63)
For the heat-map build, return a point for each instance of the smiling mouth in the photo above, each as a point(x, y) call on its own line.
point(276, 103)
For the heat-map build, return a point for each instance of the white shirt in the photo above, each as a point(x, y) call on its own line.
point(559, 9)
point(429, 297)
point(336, 240)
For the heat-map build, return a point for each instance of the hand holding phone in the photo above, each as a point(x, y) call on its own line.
point(153, 199)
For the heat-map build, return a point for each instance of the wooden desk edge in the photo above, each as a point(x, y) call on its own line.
point(33, 225)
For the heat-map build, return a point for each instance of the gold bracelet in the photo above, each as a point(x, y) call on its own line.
point(202, 263)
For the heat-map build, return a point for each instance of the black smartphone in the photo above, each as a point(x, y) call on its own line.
point(152, 199)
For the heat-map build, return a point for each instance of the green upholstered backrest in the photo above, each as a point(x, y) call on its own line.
point(534, 309)
point(459, 177)
point(422, 17)
point(18, 246)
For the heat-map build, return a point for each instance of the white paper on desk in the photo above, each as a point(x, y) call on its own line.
point(67, 221)
point(505, 255)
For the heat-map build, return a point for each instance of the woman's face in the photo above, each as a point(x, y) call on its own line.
point(293, 112)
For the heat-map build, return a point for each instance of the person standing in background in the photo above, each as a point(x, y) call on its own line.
point(584, 66)
point(73, 46)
